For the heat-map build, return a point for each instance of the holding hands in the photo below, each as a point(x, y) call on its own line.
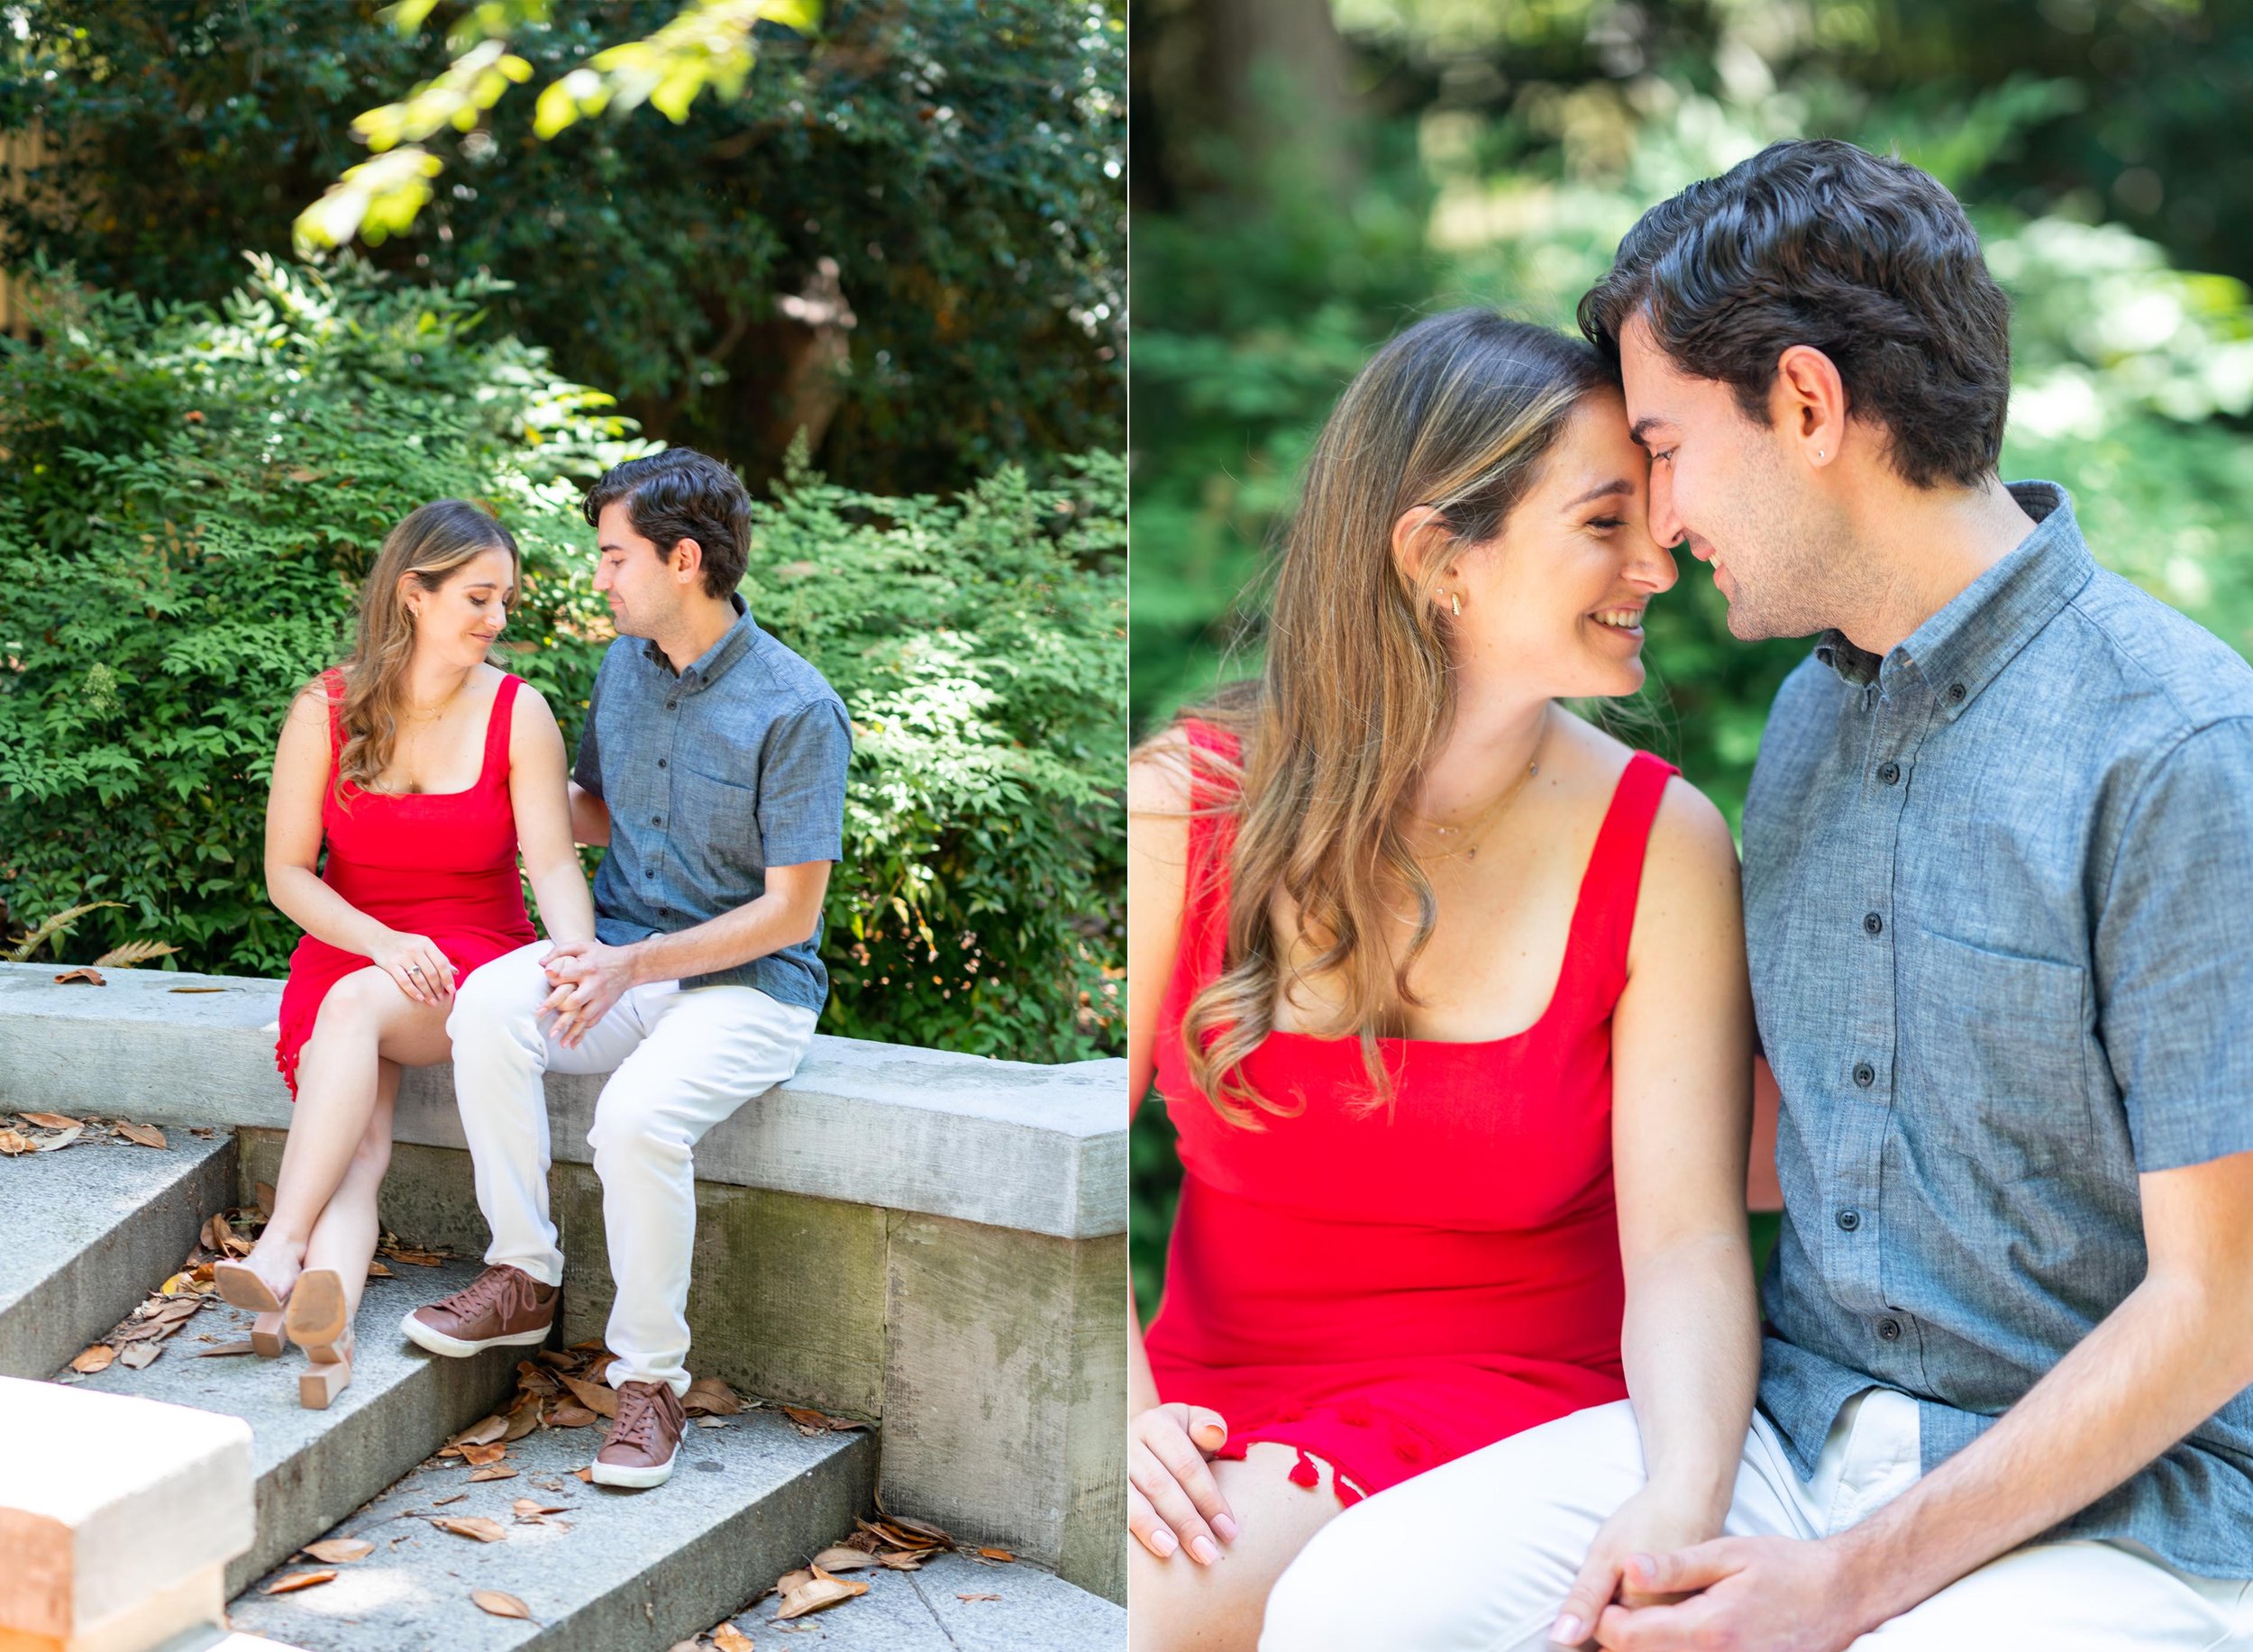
point(1756, 1594)
point(1651, 1522)
point(586, 978)
point(1173, 1501)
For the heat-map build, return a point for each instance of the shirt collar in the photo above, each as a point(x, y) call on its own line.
point(1959, 649)
point(712, 663)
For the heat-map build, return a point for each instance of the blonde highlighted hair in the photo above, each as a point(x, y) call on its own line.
point(1356, 694)
point(430, 545)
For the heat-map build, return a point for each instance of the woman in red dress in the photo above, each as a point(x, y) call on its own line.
point(1424, 966)
point(422, 769)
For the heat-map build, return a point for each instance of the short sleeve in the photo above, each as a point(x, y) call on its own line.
point(586, 770)
point(802, 785)
point(2175, 971)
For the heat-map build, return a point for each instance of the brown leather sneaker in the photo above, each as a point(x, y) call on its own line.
point(501, 1307)
point(645, 1437)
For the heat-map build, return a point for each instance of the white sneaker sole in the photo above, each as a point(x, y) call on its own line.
point(635, 1479)
point(425, 1336)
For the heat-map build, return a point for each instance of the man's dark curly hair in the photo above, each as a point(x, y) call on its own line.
point(677, 494)
point(1865, 258)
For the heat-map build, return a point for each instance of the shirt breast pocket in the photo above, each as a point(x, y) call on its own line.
point(1993, 1055)
point(716, 829)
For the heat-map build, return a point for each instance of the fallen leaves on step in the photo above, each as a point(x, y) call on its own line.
point(570, 1414)
point(841, 1559)
point(531, 1509)
point(600, 1398)
point(481, 1456)
point(711, 1423)
point(710, 1397)
point(899, 1560)
point(820, 1591)
point(440, 1502)
point(905, 1533)
point(501, 1605)
point(92, 977)
point(1001, 1555)
point(226, 1350)
point(221, 1239)
point(51, 1121)
point(196, 989)
point(390, 1245)
point(96, 1358)
point(494, 1470)
point(63, 1138)
point(298, 1580)
point(478, 1526)
point(376, 1269)
point(140, 1356)
point(145, 1135)
point(977, 1597)
point(482, 1432)
point(727, 1638)
point(587, 1474)
point(339, 1551)
point(812, 1422)
point(12, 1142)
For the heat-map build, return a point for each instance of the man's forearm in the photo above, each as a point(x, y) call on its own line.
point(752, 930)
point(590, 817)
point(2163, 1361)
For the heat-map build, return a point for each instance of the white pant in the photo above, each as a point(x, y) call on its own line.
point(683, 1061)
point(1476, 1556)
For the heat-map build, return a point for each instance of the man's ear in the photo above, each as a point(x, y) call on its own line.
point(1809, 404)
point(687, 561)
point(1419, 533)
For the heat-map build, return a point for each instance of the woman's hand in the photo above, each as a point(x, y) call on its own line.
point(1651, 1522)
point(1172, 1497)
point(415, 963)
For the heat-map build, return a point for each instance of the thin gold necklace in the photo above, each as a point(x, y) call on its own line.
point(1475, 834)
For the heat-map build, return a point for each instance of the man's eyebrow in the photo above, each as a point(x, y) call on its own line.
point(1644, 425)
point(1617, 485)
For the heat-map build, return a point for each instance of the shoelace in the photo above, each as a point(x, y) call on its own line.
point(637, 1418)
point(490, 1288)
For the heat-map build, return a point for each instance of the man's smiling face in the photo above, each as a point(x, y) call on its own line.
point(1723, 485)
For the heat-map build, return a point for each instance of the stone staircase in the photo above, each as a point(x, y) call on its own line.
point(87, 1232)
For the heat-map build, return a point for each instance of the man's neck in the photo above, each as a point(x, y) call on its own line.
point(690, 638)
point(1933, 544)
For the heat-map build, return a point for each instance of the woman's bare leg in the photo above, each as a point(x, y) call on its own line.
point(364, 1019)
point(1175, 1605)
point(344, 1237)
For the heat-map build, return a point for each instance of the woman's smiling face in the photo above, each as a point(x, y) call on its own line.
point(1558, 595)
point(466, 616)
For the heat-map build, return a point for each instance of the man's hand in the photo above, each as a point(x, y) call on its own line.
point(587, 977)
point(1651, 1522)
point(1749, 1595)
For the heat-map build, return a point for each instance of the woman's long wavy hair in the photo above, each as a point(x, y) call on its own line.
point(431, 544)
point(1456, 413)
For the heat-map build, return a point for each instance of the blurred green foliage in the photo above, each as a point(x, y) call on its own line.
point(190, 496)
point(961, 162)
point(1500, 154)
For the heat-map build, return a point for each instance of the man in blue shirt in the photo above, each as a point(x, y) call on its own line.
point(1996, 848)
point(713, 765)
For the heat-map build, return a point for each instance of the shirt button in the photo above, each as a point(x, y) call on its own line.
point(1864, 1075)
point(1888, 1329)
point(672, 705)
point(1872, 922)
point(1955, 692)
point(661, 763)
point(1849, 1220)
point(657, 820)
point(1890, 773)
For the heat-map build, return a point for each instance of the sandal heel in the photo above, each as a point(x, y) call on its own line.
point(266, 1335)
point(322, 1383)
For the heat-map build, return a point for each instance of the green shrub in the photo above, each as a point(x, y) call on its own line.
point(189, 498)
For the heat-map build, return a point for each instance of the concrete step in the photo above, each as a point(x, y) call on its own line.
point(634, 1570)
point(313, 1468)
point(88, 1230)
point(924, 1611)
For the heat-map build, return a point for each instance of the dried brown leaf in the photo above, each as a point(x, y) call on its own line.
point(977, 1597)
point(791, 1580)
point(494, 1470)
point(811, 1422)
point(376, 1269)
point(478, 1526)
point(528, 1507)
point(587, 1474)
point(49, 1144)
point(570, 1414)
point(900, 1560)
point(843, 1559)
point(440, 1502)
point(341, 1551)
point(12, 1142)
point(196, 989)
point(501, 1605)
point(478, 1456)
point(145, 1135)
point(522, 1420)
point(226, 1350)
point(819, 1593)
point(296, 1580)
point(921, 1529)
point(727, 1638)
point(1002, 1554)
point(140, 1356)
point(51, 1121)
point(92, 978)
point(710, 1397)
point(96, 1358)
point(600, 1398)
point(482, 1432)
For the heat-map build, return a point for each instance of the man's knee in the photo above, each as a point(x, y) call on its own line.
point(635, 1125)
point(498, 998)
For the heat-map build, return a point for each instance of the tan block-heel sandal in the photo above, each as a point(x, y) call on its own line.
point(317, 1323)
point(241, 1286)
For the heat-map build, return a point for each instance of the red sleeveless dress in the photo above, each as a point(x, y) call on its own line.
point(1389, 1294)
point(441, 865)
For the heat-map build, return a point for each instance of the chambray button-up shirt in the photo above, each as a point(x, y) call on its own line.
point(1995, 888)
point(736, 764)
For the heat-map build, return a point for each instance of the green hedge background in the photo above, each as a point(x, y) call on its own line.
point(1410, 155)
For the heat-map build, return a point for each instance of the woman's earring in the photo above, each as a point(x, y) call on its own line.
point(1456, 602)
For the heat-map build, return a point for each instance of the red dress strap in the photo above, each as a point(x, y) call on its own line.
point(496, 728)
point(1614, 879)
